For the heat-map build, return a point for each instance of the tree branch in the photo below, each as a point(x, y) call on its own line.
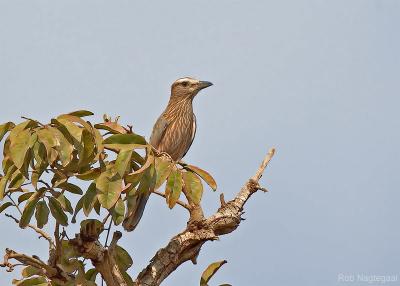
point(186, 245)
point(38, 230)
point(186, 206)
point(87, 244)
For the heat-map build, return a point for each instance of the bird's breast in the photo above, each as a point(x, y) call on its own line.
point(178, 137)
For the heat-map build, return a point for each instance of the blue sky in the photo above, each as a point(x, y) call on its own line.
point(317, 80)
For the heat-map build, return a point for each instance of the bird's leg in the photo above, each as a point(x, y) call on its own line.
point(162, 153)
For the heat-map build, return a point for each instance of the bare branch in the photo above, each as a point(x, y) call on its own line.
point(38, 230)
point(186, 245)
point(186, 206)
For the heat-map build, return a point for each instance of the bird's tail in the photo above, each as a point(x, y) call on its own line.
point(136, 211)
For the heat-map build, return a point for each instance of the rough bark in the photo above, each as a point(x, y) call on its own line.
point(186, 245)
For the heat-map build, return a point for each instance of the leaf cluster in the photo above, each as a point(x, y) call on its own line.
point(43, 165)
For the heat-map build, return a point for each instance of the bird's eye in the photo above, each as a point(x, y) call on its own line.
point(185, 83)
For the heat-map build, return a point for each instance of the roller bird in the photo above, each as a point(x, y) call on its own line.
point(173, 133)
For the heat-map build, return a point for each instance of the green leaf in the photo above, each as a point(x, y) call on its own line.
point(118, 212)
point(125, 139)
point(78, 207)
point(122, 163)
point(87, 154)
point(204, 175)
point(34, 281)
point(24, 197)
point(97, 207)
point(30, 208)
point(40, 155)
point(41, 214)
point(193, 186)
point(108, 189)
point(20, 127)
point(68, 127)
point(4, 128)
point(57, 211)
point(47, 137)
point(210, 271)
point(163, 169)
point(89, 175)
point(16, 180)
point(63, 147)
point(173, 188)
point(70, 188)
point(89, 199)
point(19, 147)
point(128, 279)
point(4, 180)
point(74, 119)
point(81, 113)
point(30, 271)
point(65, 204)
point(123, 259)
point(91, 274)
point(4, 206)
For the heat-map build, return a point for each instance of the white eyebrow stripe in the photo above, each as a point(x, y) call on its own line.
point(186, 79)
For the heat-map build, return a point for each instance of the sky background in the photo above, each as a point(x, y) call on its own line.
point(317, 80)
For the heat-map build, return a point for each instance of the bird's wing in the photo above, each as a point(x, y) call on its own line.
point(193, 135)
point(158, 131)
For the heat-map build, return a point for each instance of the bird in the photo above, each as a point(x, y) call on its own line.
point(173, 134)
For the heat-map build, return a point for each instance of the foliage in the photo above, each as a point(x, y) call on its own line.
point(43, 165)
point(210, 271)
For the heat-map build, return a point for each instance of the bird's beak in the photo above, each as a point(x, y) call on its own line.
point(204, 84)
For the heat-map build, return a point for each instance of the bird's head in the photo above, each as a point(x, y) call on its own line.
point(187, 88)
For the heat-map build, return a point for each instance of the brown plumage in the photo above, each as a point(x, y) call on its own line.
point(173, 133)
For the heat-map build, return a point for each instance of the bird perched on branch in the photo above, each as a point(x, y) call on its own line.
point(173, 133)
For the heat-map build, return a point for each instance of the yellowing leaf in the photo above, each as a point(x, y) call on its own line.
point(163, 169)
point(108, 189)
point(210, 271)
point(4, 180)
point(81, 113)
point(193, 186)
point(173, 188)
point(4, 128)
point(19, 147)
point(112, 127)
point(64, 147)
point(34, 281)
point(122, 163)
point(204, 175)
point(87, 153)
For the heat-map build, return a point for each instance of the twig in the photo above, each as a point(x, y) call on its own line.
point(38, 230)
point(263, 165)
point(186, 206)
point(14, 203)
point(106, 218)
point(108, 233)
point(27, 118)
